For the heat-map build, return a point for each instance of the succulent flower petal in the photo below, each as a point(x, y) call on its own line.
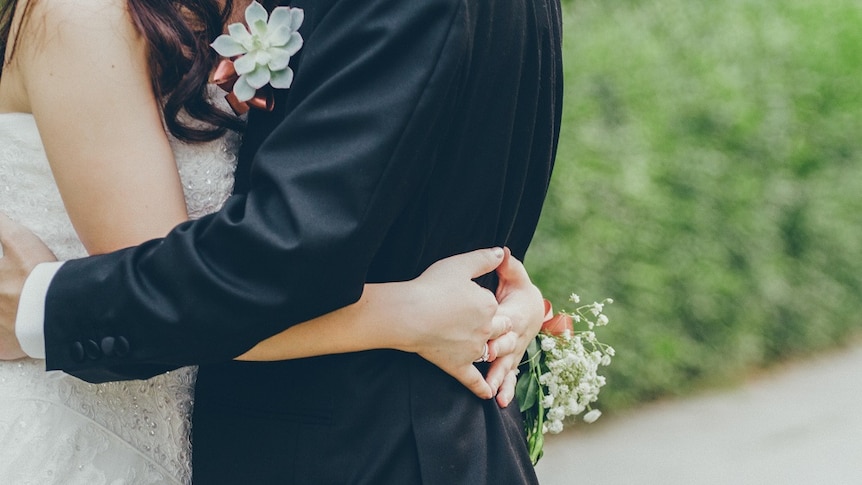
point(259, 77)
point(297, 15)
point(242, 89)
point(244, 64)
point(281, 17)
point(279, 58)
point(279, 36)
point(282, 79)
point(263, 57)
point(259, 30)
point(226, 46)
point(240, 34)
point(294, 44)
point(255, 12)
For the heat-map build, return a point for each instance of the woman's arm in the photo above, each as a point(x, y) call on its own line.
point(433, 316)
point(83, 66)
point(429, 312)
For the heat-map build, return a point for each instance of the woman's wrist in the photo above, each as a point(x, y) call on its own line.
point(392, 314)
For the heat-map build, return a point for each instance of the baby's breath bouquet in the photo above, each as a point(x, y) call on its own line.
point(560, 379)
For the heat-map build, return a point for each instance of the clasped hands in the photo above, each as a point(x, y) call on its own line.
point(508, 320)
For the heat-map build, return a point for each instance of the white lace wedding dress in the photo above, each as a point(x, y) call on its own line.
point(56, 429)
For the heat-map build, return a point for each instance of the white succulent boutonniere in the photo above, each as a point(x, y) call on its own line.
point(259, 51)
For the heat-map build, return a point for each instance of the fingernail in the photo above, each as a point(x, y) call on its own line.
point(499, 253)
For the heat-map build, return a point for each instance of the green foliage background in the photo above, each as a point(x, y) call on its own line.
point(708, 179)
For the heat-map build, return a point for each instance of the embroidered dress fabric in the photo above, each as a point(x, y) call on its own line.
point(55, 428)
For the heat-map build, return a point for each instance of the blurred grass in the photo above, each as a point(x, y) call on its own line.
point(708, 179)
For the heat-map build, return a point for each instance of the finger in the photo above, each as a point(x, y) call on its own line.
point(13, 234)
point(511, 269)
point(499, 368)
point(479, 262)
point(7, 228)
point(473, 380)
point(500, 325)
point(502, 345)
point(506, 393)
point(20, 243)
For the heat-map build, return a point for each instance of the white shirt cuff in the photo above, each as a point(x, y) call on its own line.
point(30, 321)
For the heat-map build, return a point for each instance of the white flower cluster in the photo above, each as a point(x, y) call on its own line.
point(562, 372)
point(572, 360)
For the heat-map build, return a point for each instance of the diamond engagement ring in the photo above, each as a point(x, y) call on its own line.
point(485, 354)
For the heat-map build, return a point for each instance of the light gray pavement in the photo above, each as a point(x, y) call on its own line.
point(799, 424)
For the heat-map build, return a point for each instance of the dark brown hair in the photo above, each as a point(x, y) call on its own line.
point(178, 34)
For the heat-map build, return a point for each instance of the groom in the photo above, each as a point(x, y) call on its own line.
point(414, 130)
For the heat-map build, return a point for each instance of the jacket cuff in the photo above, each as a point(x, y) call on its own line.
point(30, 321)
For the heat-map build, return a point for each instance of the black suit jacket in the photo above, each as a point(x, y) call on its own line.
point(414, 130)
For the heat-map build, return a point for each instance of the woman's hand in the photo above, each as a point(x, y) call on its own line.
point(452, 318)
point(451, 336)
point(22, 251)
point(520, 302)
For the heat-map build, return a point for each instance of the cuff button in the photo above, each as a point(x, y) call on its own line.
point(121, 347)
point(115, 347)
point(76, 352)
point(92, 350)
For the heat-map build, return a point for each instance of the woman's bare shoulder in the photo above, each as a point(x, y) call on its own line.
point(59, 37)
point(60, 13)
point(45, 30)
point(50, 23)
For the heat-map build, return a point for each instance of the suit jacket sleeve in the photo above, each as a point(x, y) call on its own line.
point(325, 186)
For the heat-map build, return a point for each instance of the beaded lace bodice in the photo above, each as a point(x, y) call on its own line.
point(67, 431)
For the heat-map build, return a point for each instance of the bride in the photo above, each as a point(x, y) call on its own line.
point(87, 88)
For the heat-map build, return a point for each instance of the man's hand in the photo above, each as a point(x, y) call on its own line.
point(521, 303)
point(22, 251)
